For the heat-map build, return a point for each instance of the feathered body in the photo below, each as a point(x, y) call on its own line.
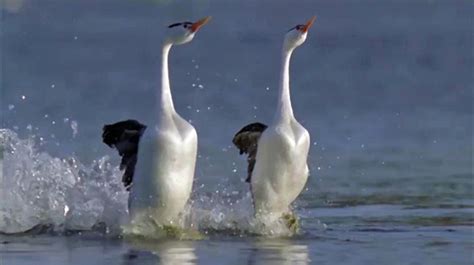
point(166, 158)
point(280, 169)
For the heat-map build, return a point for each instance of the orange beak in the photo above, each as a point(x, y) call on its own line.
point(308, 24)
point(198, 24)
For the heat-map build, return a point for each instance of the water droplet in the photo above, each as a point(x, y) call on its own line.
point(75, 128)
point(53, 85)
point(11, 106)
point(201, 86)
point(267, 88)
point(66, 210)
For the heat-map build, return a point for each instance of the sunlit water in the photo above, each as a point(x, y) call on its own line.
point(384, 89)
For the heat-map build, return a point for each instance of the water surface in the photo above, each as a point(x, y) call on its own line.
point(385, 90)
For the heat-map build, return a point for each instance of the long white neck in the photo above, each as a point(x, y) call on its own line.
point(284, 110)
point(165, 100)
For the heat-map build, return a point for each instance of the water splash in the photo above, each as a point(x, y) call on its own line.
point(37, 189)
point(228, 213)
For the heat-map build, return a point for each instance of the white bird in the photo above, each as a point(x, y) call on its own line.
point(277, 154)
point(159, 168)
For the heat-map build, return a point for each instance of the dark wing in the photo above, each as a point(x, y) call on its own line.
point(125, 137)
point(247, 141)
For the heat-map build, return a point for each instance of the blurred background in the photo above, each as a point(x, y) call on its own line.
point(384, 87)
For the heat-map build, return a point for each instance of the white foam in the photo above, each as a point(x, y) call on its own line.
point(39, 189)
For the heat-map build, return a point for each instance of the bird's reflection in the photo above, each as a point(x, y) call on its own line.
point(278, 251)
point(261, 251)
point(161, 252)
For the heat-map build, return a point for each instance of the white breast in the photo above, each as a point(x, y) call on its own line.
point(281, 169)
point(165, 170)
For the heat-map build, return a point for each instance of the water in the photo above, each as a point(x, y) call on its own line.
point(385, 89)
